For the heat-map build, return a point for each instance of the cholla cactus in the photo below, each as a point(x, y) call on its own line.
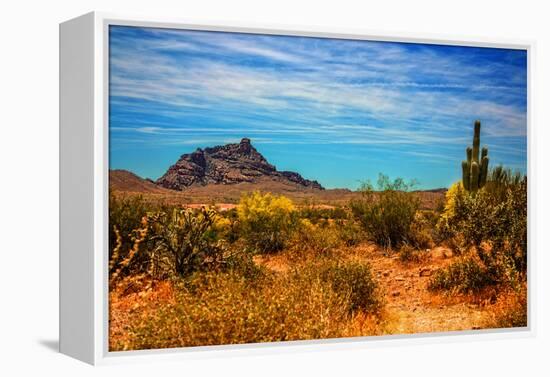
point(475, 168)
point(116, 264)
point(185, 236)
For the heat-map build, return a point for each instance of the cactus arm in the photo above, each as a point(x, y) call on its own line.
point(474, 176)
point(466, 175)
point(483, 170)
point(484, 152)
point(475, 153)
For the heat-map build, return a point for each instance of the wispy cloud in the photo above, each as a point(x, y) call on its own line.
point(172, 87)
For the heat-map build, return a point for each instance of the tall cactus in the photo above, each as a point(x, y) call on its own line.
point(474, 169)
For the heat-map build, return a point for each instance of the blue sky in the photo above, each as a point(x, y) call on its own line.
point(338, 111)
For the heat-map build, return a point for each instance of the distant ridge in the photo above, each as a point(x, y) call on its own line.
point(434, 190)
point(124, 180)
point(227, 165)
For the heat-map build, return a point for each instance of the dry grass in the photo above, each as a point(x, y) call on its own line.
point(292, 301)
point(328, 301)
point(510, 309)
point(320, 285)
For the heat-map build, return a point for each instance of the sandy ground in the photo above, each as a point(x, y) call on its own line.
point(410, 307)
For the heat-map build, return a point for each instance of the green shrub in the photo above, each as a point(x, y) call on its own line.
point(470, 274)
point(355, 281)
point(387, 214)
point(350, 232)
point(266, 221)
point(464, 275)
point(187, 238)
point(496, 214)
point(316, 214)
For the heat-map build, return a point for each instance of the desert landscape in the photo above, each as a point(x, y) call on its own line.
point(268, 188)
point(224, 248)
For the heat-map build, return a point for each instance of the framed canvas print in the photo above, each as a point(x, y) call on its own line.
point(228, 189)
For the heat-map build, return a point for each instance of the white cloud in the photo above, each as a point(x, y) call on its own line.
point(408, 98)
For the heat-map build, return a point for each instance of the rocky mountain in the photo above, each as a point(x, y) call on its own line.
point(227, 164)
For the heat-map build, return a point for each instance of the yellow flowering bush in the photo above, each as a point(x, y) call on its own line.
point(455, 192)
point(266, 221)
point(316, 238)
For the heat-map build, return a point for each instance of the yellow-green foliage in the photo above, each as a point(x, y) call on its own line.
point(452, 196)
point(317, 238)
point(226, 308)
point(447, 226)
point(226, 225)
point(266, 220)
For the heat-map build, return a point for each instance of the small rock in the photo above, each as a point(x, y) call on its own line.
point(395, 293)
point(399, 278)
point(386, 273)
point(425, 272)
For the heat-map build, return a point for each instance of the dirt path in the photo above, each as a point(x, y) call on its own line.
point(410, 306)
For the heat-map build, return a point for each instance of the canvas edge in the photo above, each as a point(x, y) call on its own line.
point(101, 354)
point(76, 190)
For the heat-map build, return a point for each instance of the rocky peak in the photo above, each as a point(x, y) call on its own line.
point(227, 164)
point(245, 146)
point(198, 158)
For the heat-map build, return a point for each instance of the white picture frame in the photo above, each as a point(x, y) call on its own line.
point(84, 168)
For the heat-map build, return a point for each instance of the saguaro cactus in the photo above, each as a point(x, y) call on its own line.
point(474, 169)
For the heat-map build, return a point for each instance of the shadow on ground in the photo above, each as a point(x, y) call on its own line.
point(52, 345)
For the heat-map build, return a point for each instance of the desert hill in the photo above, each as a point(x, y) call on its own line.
point(227, 165)
point(123, 182)
point(126, 181)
